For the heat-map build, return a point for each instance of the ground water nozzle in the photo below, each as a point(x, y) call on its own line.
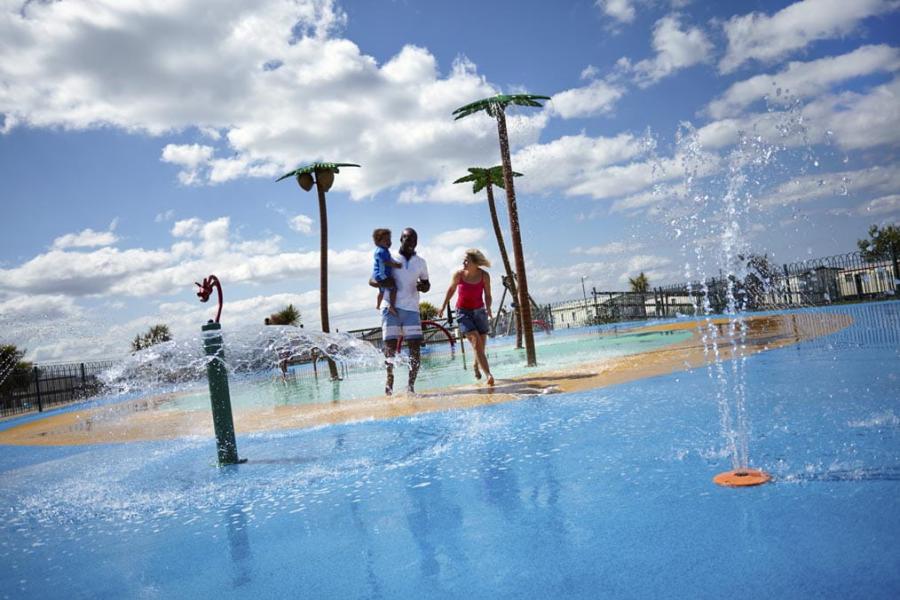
point(745, 477)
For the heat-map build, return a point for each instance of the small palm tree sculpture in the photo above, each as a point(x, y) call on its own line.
point(495, 106)
point(324, 178)
point(486, 179)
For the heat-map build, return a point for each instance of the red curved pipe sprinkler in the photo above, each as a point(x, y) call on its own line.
point(206, 289)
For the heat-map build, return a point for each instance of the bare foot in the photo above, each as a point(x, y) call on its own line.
point(388, 390)
point(490, 379)
point(477, 372)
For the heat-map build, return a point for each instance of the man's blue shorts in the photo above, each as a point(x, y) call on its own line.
point(475, 319)
point(405, 323)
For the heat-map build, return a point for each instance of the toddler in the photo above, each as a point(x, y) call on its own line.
point(381, 272)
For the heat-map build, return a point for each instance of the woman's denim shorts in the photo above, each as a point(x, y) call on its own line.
point(474, 319)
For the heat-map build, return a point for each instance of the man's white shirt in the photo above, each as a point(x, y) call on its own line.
point(406, 278)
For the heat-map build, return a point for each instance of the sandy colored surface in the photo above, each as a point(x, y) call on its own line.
point(140, 420)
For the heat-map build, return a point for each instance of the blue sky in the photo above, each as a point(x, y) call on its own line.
point(140, 145)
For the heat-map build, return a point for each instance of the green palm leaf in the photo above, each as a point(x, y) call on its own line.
point(498, 103)
point(316, 166)
point(481, 177)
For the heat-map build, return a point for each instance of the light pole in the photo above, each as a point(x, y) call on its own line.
point(584, 294)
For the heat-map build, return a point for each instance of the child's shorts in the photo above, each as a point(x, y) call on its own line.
point(387, 283)
point(474, 319)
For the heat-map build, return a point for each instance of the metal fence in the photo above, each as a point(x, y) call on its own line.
point(45, 386)
point(817, 282)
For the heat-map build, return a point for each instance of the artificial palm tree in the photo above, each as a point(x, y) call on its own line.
point(495, 106)
point(324, 178)
point(486, 179)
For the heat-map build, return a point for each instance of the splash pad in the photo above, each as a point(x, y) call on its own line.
point(155, 418)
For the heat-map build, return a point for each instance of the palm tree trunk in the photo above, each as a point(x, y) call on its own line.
point(523, 299)
point(503, 255)
point(323, 271)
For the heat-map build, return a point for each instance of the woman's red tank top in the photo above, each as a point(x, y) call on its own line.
point(470, 295)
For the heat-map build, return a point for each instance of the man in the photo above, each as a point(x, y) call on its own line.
point(410, 279)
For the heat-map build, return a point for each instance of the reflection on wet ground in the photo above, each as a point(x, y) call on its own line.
point(139, 420)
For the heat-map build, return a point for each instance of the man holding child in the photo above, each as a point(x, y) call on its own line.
point(400, 318)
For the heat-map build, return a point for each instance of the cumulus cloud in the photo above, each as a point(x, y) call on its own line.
point(858, 120)
point(676, 48)
point(459, 237)
point(210, 247)
point(597, 98)
point(301, 224)
point(620, 10)
point(878, 181)
point(760, 37)
point(165, 216)
point(610, 248)
point(612, 273)
point(19, 309)
point(578, 162)
point(805, 79)
point(191, 157)
point(87, 238)
point(273, 79)
point(885, 205)
point(851, 120)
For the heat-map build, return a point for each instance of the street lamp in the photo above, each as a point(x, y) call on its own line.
point(584, 294)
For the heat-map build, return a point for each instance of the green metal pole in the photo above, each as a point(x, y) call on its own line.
point(219, 396)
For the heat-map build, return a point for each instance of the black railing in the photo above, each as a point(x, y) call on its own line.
point(45, 386)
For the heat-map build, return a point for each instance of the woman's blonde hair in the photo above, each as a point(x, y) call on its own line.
point(475, 256)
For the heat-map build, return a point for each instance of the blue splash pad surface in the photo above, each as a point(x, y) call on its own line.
point(605, 493)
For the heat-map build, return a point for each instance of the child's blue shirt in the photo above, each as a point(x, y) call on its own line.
point(381, 270)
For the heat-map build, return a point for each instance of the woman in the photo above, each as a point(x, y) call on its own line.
point(473, 303)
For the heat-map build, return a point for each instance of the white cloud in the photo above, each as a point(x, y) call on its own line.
point(620, 10)
point(301, 224)
point(609, 274)
point(21, 309)
point(857, 120)
point(275, 96)
point(88, 238)
point(268, 246)
point(579, 163)
point(459, 237)
point(764, 38)
point(885, 205)
point(805, 79)
point(139, 272)
point(874, 181)
point(676, 49)
point(597, 98)
point(850, 120)
point(165, 216)
point(610, 248)
point(189, 156)
point(187, 227)
point(590, 72)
